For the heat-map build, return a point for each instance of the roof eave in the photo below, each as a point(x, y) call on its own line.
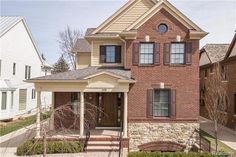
point(55, 81)
point(197, 34)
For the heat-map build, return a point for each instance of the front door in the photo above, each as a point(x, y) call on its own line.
point(107, 110)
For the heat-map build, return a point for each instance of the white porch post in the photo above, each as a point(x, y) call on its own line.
point(125, 121)
point(53, 111)
point(38, 114)
point(81, 113)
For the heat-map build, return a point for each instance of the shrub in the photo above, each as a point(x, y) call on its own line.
point(33, 147)
point(171, 154)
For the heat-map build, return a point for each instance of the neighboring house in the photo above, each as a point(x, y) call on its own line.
point(225, 54)
point(19, 60)
point(141, 69)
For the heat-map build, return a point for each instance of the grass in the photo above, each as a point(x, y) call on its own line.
point(18, 124)
point(221, 146)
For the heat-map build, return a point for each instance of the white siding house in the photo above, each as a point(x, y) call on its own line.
point(19, 60)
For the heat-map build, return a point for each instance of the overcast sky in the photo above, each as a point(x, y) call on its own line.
point(46, 18)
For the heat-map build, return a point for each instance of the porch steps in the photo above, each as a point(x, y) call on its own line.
point(103, 145)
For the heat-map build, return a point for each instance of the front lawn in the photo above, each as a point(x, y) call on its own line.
point(20, 123)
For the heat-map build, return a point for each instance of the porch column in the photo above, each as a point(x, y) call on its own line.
point(125, 119)
point(81, 113)
point(38, 114)
point(53, 112)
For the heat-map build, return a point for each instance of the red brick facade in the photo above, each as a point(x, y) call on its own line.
point(183, 78)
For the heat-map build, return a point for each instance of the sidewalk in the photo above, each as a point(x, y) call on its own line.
point(10, 152)
point(225, 135)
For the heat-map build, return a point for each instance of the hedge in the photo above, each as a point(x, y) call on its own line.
point(171, 154)
point(33, 147)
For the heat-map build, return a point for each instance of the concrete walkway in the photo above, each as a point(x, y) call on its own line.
point(10, 152)
point(225, 135)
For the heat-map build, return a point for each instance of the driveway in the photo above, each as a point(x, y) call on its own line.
point(225, 135)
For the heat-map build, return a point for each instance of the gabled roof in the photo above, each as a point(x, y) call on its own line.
point(164, 4)
point(156, 6)
point(215, 52)
point(83, 74)
point(8, 22)
point(82, 45)
point(231, 48)
point(120, 12)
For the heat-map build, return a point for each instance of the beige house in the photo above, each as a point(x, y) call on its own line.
point(127, 68)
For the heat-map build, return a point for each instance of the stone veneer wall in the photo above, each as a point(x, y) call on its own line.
point(182, 133)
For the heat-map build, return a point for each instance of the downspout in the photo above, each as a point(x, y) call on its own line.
point(124, 59)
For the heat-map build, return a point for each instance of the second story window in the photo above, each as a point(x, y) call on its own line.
point(177, 53)
point(14, 69)
point(27, 72)
point(110, 54)
point(146, 53)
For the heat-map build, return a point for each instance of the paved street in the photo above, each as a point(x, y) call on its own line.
point(227, 136)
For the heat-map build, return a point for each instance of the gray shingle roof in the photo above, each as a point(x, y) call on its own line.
point(83, 73)
point(7, 22)
point(82, 45)
point(90, 30)
point(216, 52)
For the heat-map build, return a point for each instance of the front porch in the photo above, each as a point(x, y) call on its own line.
point(91, 99)
point(100, 113)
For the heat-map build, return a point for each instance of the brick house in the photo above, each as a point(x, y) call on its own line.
point(225, 54)
point(140, 68)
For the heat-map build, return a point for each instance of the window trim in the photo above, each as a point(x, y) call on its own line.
point(169, 105)
point(184, 63)
point(146, 64)
point(111, 63)
point(164, 24)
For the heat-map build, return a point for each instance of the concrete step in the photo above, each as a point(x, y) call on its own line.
point(102, 148)
point(103, 143)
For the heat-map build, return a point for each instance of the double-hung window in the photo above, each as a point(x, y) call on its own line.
point(110, 54)
point(27, 72)
point(146, 53)
point(177, 53)
point(161, 103)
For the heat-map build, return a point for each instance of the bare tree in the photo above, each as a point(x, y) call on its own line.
point(216, 99)
point(67, 40)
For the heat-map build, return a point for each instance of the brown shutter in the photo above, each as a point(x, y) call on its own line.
point(135, 53)
point(173, 103)
point(188, 56)
point(118, 54)
point(102, 54)
point(167, 53)
point(157, 53)
point(150, 103)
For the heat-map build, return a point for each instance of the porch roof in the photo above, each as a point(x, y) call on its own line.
point(83, 74)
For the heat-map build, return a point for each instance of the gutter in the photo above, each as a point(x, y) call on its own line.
point(124, 41)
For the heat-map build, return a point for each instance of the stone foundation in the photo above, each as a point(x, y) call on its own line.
point(182, 133)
